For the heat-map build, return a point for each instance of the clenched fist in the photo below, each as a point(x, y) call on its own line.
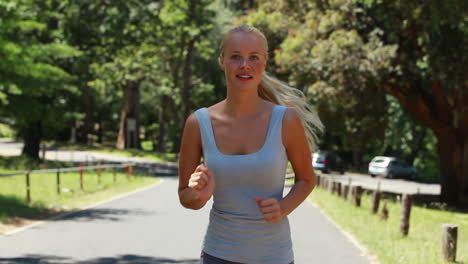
point(202, 182)
point(270, 209)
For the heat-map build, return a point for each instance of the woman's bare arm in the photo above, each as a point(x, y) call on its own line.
point(196, 183)
point(297, 147)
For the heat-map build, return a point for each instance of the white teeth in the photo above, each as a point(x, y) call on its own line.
point(244, 76)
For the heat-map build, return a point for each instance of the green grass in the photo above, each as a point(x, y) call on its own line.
point(382, 238)
point(46, 201)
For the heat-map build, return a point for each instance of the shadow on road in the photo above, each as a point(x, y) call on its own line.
point(109, 214)
point(134, 259)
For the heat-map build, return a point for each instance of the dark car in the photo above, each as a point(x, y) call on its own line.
point(328, 161)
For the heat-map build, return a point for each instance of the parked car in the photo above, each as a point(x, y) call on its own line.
point(328, 161)
point(391, 167)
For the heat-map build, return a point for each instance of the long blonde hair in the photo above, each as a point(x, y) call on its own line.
point(278, 92)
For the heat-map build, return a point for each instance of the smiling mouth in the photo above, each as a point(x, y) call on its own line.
point(244, 76)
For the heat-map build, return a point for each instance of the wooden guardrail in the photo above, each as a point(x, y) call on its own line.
point(81, 169)
point(353, 194)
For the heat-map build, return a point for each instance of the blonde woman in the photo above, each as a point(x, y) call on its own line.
point(246, 141)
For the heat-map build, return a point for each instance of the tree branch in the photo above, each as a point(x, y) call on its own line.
point(419, 107)
point(441, 104)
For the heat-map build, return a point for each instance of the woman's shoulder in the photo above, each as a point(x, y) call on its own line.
point(291, 119)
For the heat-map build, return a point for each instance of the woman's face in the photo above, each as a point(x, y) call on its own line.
point(243, 60)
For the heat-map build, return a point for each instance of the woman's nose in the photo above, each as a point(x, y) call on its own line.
point(244, 63)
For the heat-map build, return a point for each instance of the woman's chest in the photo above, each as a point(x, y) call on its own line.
point(240, 138)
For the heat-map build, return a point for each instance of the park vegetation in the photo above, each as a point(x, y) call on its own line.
point(386, 77)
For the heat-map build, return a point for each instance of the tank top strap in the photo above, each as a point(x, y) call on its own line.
point(275, 129)
point(206, 132)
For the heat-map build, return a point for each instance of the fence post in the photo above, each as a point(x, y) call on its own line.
point(384, 214)
point(58, 181)
point(357, 192)
point(449, 242)
point(113, 170)
point(338, 188)
point(317, 183)
point(345, 191)
point(99, 172)
point(375, 201)
point(350, 190)
point(405, 214)
point(28, 186)
point(81, 176)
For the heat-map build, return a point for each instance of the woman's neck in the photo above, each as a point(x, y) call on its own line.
point(238, 106)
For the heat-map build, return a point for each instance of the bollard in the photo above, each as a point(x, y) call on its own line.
point(28, 186)
point(449, 242)
point(338, 188)
point(58, 181)
point(317, 183)
point(375, 201)
point(357, 192)
point(334, 187)
point(330, 185)
point(344, 193)
point(115, 179)
point(405, 214)
point(99, 172)
point(81, 176)
point(384, 214)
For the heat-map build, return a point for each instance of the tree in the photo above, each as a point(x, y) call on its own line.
point(415, 51)
point(35, 86)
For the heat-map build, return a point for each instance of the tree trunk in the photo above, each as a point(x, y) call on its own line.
point(100, 132)
point(175, 138)
point(32, 135)
point(445, 114)
point(161, 147)
point(418, 145)
point(129, 136)
point(187, 79)
point(453, 152)
point(88, 110)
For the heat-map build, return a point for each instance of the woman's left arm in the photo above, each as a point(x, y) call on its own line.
point(297, 148)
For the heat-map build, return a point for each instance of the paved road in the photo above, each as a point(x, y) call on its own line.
point(151, 227)
point(11, 148)
point(387, 185)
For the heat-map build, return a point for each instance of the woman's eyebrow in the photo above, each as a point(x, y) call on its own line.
point(252, 52)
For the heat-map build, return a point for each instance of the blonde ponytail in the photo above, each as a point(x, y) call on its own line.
point(275, 91)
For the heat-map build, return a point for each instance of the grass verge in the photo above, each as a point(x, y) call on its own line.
point(382, 238)
point(15, 211)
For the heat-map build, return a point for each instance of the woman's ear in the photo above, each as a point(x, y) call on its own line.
point(221, 62)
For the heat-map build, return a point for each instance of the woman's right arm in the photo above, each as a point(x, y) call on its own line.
point(196, 182)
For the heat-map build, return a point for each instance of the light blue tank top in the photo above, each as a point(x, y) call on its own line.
point(237, 230)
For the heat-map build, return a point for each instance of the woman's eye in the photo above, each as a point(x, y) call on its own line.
point(254, 58)
point(235, 57)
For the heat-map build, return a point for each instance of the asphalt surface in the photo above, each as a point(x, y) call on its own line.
point(150, 226)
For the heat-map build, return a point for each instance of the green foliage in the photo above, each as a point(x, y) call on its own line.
point(342, 52)
point(35, 85)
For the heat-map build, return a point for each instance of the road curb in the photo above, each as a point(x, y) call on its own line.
point(364, 251)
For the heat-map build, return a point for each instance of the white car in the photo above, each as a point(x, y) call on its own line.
point(391, 167)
